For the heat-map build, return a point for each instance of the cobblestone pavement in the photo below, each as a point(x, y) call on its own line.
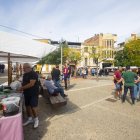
point(88, 115)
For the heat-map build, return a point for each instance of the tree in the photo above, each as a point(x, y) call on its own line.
point(72, 55)
point(97, 53)
point(122, 58)
point(54, 57)
point(133, 50)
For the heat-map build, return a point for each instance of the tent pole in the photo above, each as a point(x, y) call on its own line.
point(11, 73)
point(17, 70)
point(8, 69)
point(20, 70)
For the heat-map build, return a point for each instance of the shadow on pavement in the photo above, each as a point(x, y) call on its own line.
point(46, 114)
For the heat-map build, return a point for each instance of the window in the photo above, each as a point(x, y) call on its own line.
point(85, 61)
point(73, 46)
point(86, 49)
point(94, 61)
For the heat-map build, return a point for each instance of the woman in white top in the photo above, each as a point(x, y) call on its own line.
point(84, 73)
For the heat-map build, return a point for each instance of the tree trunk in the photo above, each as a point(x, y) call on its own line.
point(75, 69)
point(97, 72)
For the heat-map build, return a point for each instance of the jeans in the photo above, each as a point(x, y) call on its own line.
point(59, 90)
point(56, 82)
point(136, 89)
point(118, 87)
point(2, 70)
point(65, 78)
point(84, 75)
point(131, 92)
point(92, 74)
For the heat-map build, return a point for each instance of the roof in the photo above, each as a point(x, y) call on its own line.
point(92, 39)
point(69, 43)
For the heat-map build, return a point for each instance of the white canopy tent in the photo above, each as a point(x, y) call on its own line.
point(14, 48)
point(22, 49)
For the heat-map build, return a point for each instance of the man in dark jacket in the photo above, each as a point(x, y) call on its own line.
point(2, 68)
point(55, 75)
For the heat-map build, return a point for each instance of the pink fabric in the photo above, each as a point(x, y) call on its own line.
point(66, 74)
point(11, 127)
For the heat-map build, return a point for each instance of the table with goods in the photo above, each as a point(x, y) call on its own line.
point(11, 102)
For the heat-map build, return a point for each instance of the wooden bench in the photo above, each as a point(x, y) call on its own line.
point(55, 101)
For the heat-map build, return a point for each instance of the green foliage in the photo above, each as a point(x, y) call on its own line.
point(97, 53)
point(72, 55)
point(54, 57)
point(122, 59)
point(133, 50)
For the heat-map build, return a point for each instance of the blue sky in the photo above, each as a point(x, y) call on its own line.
point(71, 19)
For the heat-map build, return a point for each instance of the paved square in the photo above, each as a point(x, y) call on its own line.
point(88, 115)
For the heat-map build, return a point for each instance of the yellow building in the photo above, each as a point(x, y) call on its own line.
point(107, 42)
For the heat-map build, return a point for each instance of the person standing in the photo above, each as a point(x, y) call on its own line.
point(55, 75)
point(65, 71)
point(69, 74)
point(137, 85)
point(0, 68)
point(105, 72)
point(128, 77)
point(84, 73)
point(117, 77)
point(93, 72)
point(72, 71)
point(30, 87)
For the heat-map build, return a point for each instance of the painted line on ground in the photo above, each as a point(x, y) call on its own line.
point(118, 112)
point(87, 88)
point(76, 109)
point(88, 105)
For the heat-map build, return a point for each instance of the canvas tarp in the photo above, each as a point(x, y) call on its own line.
point(22, 49)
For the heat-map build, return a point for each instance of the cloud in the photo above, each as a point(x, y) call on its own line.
point(68, 19)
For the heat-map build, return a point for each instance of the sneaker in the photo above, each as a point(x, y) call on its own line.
point(123, 103)
point(36, 123)
point(65, 95)
point(27, 122)
point(133, 104)
point(117, 98)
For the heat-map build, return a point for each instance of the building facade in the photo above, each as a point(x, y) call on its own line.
point(106, 41)
point(74, 45)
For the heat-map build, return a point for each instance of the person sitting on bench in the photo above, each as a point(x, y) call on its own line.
point(53, 89)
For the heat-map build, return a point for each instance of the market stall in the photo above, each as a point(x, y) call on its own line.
point(11, 127)
point(17, 49)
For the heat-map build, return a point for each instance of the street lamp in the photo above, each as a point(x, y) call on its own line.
point(61, 42)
